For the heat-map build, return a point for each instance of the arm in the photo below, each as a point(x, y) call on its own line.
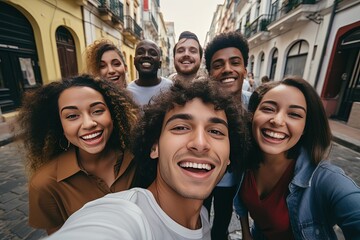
point(106, 218)
point(341, 196)
point(44, 211)
point(245, 229)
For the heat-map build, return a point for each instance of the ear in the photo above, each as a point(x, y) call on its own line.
point(154, 154)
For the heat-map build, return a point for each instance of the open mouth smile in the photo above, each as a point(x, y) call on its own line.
point(196, 167)
point(274, 135)
point(92, 136)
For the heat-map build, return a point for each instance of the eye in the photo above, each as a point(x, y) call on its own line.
point(71, 116)
point(180, 128)
point(216, 132)
point(116, 63)
point(267, 109)
point(217, 65)
point(180, 50)
point(296, 115)
point(102, 65)
point(98, 111)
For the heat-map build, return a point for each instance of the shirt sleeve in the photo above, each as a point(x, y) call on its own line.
point(43, 208)
point(341, 196)
point(106, 219)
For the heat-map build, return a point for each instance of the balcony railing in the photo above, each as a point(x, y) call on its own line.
point(115, 7)
point(132, 27)
point(154, 22)
point(258, 25)
point(289, 5)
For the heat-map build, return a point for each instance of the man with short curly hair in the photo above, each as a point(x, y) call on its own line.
point(226, 61)
point(183, 144)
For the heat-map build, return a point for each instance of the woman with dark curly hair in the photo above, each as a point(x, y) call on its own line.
point(104, 59)
point(77, 137)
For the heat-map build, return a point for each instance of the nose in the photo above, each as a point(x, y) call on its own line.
point(88, 122)
point(199, 142)
point(227, 67)
point(278, 119)
point(111, 69)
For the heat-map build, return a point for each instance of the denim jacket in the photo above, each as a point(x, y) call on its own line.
point(320, 197)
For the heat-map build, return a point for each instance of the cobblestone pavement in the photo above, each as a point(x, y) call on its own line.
point(14, 195)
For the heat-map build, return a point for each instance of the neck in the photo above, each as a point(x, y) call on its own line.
point(184, 211)
point(186, 77)
point(148, 80)
point(93, 162)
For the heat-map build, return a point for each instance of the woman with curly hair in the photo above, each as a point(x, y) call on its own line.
point(77, 138)
point(104, 59)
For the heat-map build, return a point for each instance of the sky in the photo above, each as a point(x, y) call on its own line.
point(190, 15)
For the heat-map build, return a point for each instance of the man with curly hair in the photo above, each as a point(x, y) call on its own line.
point(183, 145)
point(226, 61)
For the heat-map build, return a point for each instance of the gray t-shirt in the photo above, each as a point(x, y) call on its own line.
point(142, 95)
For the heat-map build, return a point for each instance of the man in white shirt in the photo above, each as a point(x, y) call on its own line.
point(147, 62)
point(183, 144)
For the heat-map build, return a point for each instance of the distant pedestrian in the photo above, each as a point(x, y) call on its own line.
point(187, 57)
point(289, 189)
point(104, 59)
point(265, 79)
point(249, 83)
point(77, 137)
point(226, 60)
point(183, 144)
point(147, 63)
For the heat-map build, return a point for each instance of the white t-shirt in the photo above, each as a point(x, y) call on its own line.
point(142, 95)
point(133, 214)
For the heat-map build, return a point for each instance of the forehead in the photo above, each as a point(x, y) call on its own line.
point(226, 53)
point(147, 45)
point(198, 110)
point(79, 94)
point(186, 42)
point(285, 94)
point(110, 54)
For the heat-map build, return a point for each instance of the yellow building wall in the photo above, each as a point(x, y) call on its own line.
point(45, 17)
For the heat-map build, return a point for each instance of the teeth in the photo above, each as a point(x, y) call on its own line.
point(196, 165)
point(275, 134)
point(227, 80)
point(90, 136)
point(186, 62)
point(146, 64)
point(114, 78)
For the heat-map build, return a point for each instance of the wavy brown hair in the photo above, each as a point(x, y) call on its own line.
point(94, 53)
point(40, 120)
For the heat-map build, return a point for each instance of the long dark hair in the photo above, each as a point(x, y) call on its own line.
point(316, 139)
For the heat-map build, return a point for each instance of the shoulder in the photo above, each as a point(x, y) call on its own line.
point(165, 81)
point(109, 217)
point(326, 174)
point(45, 176)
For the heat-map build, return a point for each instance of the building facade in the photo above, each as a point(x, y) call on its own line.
point(42, 41)
point(318, 40)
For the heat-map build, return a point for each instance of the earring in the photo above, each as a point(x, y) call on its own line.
point(62, 147)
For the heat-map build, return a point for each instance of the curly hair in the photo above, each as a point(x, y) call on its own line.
point(316, 139)
point(148, 131)
point(94, 53)
point(40, 120)
point(226, 40)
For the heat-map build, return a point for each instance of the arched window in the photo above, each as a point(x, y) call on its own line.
point(274, 59)
point(67, 52)
point(261, 64)
point(296, 58)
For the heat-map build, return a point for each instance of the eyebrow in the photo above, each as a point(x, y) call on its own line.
point(291, 106)
point(74, 107)
point(190, 117)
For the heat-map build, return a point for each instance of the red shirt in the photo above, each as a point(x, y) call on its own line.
point(270, 214)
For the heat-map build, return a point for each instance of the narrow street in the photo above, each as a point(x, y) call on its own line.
point(13, 190)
